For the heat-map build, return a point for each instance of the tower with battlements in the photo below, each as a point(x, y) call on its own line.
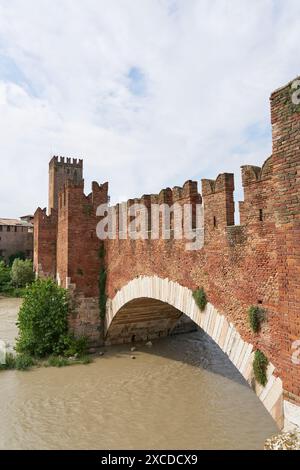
point(62, 170)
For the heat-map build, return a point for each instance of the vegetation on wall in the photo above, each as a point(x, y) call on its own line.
point(260, 365)
point(200, 298)
point(102, 284)
point(256, 316)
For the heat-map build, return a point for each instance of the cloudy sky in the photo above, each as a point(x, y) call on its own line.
point(149, 92)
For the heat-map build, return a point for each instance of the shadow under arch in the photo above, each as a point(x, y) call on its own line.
point(171, 299)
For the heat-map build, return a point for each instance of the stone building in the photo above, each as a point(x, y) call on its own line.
point(16, 235)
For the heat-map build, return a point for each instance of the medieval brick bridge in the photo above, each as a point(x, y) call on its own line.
point(126, 289)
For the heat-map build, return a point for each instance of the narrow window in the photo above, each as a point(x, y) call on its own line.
point(261, 215)
point(215, 221)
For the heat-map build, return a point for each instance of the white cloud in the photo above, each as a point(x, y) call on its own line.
point(208, 68)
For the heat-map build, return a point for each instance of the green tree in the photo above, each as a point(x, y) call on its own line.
point(22, 272)
point(18, 255)
point(43, 319)
point(4, 276)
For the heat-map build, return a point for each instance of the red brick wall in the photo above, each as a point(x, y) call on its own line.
point(45, 235)
point(77, 243)
point(62, 170)
point(256, 262)
point(285, 117)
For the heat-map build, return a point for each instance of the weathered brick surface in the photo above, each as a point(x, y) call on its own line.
point(45, 236)
point(257, 262)
point(61, 170)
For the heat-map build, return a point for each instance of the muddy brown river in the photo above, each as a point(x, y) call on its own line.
point(182, 393)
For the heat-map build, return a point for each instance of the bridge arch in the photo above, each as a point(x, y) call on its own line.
point(180, 299)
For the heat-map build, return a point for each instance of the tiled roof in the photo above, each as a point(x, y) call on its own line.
point(21, 223)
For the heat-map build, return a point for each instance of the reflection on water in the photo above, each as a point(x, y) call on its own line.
point(180, 394)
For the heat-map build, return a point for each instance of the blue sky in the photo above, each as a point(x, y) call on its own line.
point(150, 93)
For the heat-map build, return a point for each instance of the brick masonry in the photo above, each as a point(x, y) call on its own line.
point(257, 262)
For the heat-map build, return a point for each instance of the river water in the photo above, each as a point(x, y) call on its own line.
point(182, 393)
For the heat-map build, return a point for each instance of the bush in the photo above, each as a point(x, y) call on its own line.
point(23, 362)
point(19, 362)
point(200, 298)
point(71, 346)
point(256, 316)
point(10, 362)
point(85, 360)
point(260, 365)
point(58, 361)
point(5, 277)
point(22, 273)
point(42, 319)
point(43, 322)
point(18, 255)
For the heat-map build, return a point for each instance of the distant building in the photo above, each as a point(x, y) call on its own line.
point(16, 235)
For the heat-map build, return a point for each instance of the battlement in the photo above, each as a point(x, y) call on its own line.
point(63, 171)
point(253, 174)
point(74, 191)
point(224, 182)
point(178, 194)
point(66, 161)
point(45, 233)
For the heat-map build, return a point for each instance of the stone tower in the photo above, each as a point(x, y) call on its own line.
point(60, 171)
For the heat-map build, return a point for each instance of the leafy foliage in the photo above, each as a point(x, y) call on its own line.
point(19, 362)
point(10, 362)
point(68, 345)
point(43, 319)
point(17, 255)
point(256, 316)
point(260, 365)
point(22, 273)
point(4, 277)
point(200, 298)
point(58, 361)
point(43, 322)
point(23, 362)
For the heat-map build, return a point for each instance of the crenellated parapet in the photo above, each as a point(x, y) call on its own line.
point(45, 237)
point(258, 204)
point(61, 171)
point(153, 209)
point(218, 203)
point(77, 241)
point(63, 161)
